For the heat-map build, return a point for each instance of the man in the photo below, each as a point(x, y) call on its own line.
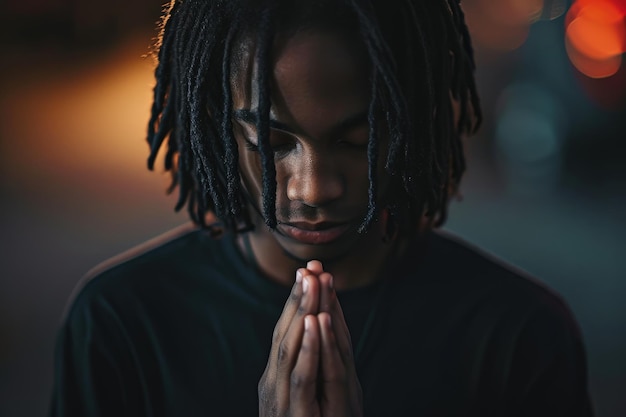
point(325, 137)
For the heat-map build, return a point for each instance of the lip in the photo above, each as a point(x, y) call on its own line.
point(314, 233)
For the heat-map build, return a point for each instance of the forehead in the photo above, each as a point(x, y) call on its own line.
point(319, 65)
point(325, 61)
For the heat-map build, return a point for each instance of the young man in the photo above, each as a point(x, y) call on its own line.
point(325, 137)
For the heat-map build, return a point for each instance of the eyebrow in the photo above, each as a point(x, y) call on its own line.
point(251, 116)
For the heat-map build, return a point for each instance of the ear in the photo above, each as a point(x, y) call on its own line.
point(425, 224)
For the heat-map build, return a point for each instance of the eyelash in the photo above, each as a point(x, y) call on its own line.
point(278, 151)
point(251, 146)
point(281, 150)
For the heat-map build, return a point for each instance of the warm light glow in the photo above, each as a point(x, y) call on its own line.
point(596, 36)
point(598, 31)
point(593, 67)
point(85, 126)
point(513, 12)
point(504, 24)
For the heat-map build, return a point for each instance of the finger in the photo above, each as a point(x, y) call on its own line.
point(267, 384)
point(289, 310)
point(290, 345)
point(330, 304)
point(334, 388)
point(308, 304)
point(303, 388)
point(341, 391)
point(340, 329)
point(294, 297)
point(315, 267)
point(343, 347)
point(327, 292)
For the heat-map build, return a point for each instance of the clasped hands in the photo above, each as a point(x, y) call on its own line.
point(310, 371)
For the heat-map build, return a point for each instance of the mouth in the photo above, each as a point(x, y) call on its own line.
point(314, 233)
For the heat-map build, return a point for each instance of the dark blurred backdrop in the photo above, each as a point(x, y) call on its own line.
point(545, 188)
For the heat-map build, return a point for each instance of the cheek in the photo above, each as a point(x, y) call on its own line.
point(251, 172)
point(350, 167)
point(356, 173)
point(347, 167)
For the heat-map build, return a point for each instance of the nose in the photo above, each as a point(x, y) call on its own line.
point(315, 180)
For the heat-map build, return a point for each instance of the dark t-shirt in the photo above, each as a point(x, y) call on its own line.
point(182, 327)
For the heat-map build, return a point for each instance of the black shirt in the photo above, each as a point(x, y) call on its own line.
point(182, 326)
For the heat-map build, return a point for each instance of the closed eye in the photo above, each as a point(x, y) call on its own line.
point(279, 150)
point(250, 146)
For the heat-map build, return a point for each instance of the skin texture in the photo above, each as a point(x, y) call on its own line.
point(311, 369)
point(320, 96)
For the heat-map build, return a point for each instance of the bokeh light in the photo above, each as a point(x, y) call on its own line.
point(595, 36)
point(503, 25)
point(529, 135)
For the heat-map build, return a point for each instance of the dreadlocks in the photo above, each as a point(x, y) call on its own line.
point(421, 60)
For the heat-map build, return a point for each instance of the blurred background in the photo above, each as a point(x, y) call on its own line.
point(545, 188)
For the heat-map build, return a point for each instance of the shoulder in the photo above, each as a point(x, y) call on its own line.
point(463, 255)
point(506, 329)
point(506, 303)
point(152, 254)
point(463, 279)
point(470, 266)
point(146, 270)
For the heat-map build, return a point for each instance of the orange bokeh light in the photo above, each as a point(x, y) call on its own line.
point(593, 67)
point(502, 25)
point(596, 36)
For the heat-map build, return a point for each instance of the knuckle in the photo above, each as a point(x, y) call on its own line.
point(263, 385)
point(299, 380)
point(283, 353)
point(301, 310)
point(276, 335)
point(264, 392)
point(268, 403)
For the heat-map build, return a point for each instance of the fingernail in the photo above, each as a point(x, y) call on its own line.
point(305, 285)
point(298, 276)
point(311, 264)
point(307, 322)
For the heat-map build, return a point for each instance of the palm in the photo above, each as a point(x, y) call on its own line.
point(310, 372)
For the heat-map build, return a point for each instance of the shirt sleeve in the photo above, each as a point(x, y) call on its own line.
point(549, 372)
point(89, 376)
